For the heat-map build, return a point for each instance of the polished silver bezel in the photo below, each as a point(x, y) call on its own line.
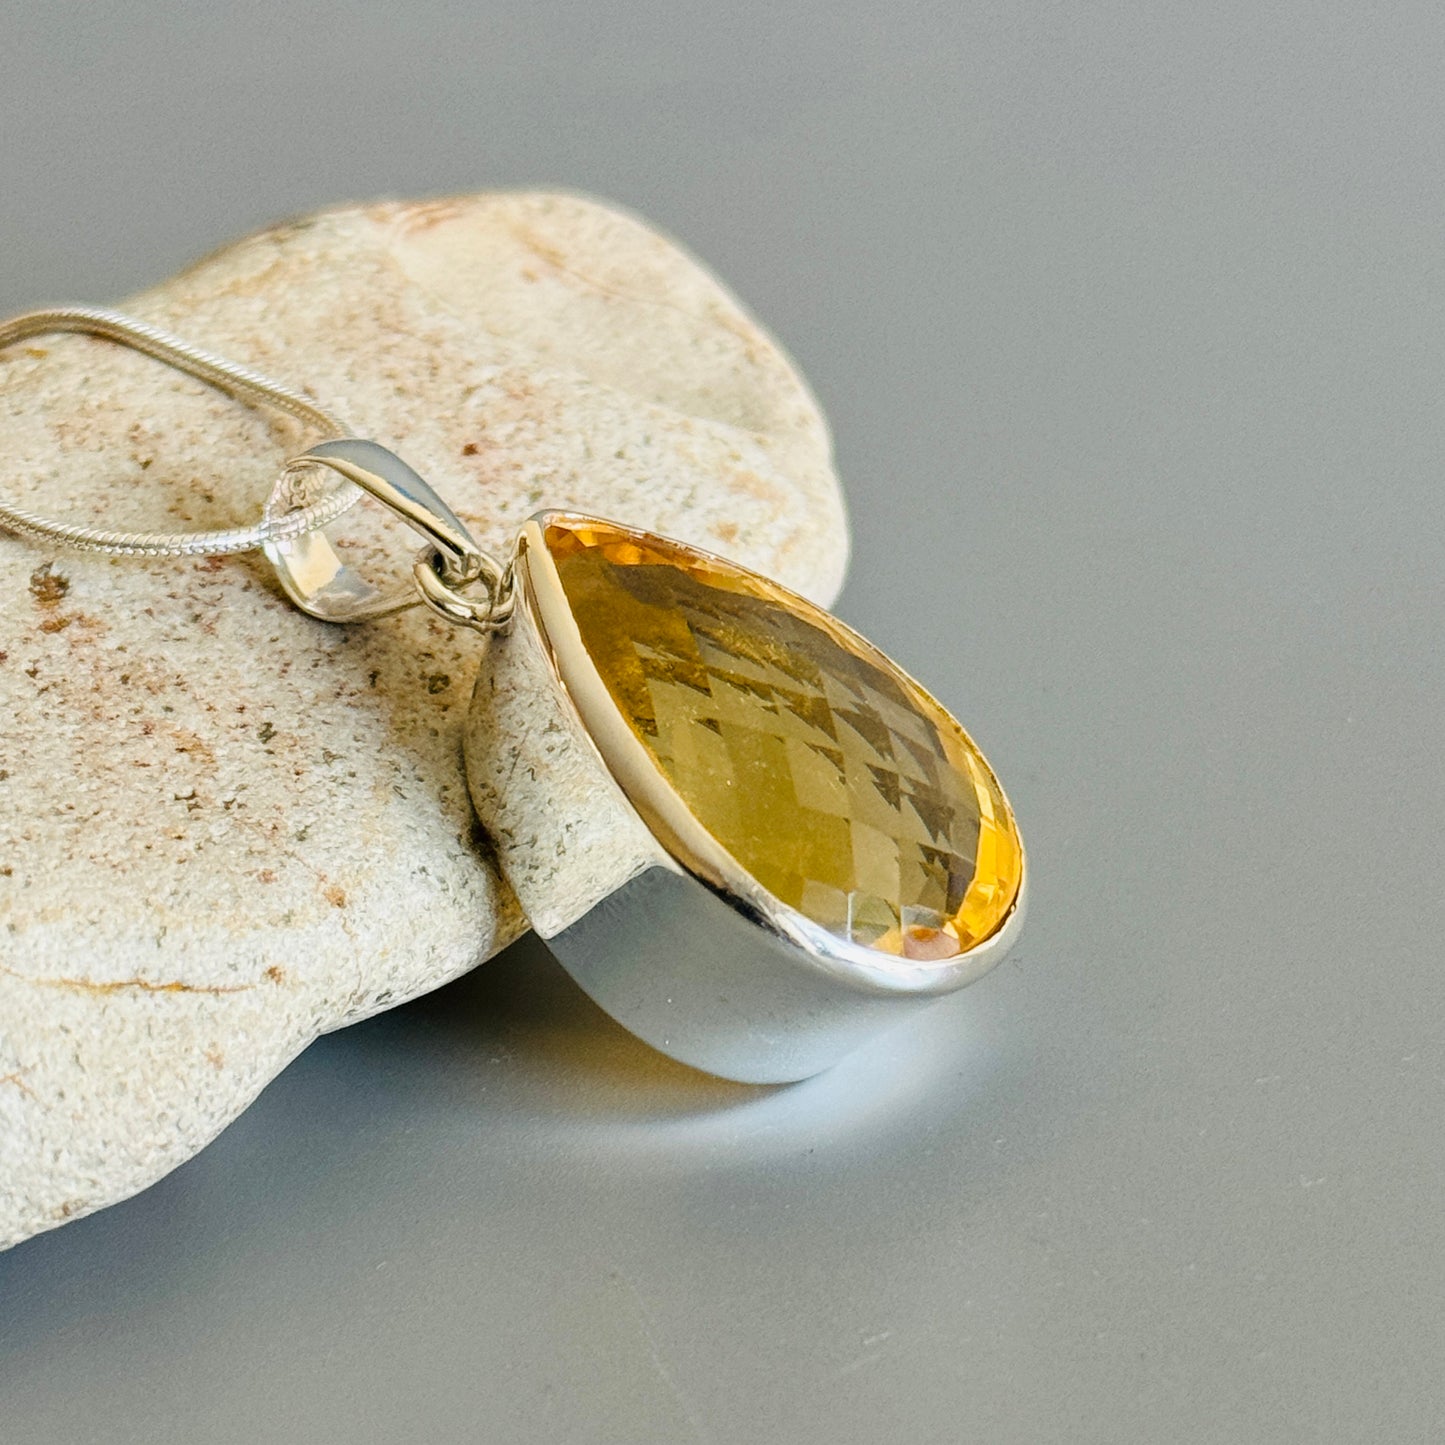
point(683, 843)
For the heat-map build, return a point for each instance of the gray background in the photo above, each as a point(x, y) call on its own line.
point(1129, 320)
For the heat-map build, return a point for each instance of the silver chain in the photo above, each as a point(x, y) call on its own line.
point(227, 376)
point(292, 533)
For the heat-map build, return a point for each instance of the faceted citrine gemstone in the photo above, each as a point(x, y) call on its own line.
point(830, 776)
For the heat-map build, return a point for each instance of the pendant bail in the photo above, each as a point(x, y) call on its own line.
point(321, 584)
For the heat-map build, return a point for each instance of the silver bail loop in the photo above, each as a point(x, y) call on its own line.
point(320, 583)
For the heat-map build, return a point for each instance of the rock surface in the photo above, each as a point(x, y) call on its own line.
point(224, 827)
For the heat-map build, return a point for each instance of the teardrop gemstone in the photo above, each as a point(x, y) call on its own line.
point(820, 767)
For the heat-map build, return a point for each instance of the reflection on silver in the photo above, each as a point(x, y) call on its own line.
point(705, 982)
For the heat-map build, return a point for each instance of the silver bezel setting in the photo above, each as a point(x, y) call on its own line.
point(770, 994)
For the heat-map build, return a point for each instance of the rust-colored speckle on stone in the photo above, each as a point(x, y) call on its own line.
point(415, 216)
point(47, 586)
point(193, 745)
point(122, 985)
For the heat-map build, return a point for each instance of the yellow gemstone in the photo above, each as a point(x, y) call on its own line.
point(830, 776)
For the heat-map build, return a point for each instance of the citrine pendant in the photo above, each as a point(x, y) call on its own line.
point(751, 837)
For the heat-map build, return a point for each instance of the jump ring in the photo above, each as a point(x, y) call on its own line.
point(488, 613)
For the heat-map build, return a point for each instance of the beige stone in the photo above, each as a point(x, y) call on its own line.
point(226, 828)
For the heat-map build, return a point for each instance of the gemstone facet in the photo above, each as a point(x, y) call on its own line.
point(823, 770)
